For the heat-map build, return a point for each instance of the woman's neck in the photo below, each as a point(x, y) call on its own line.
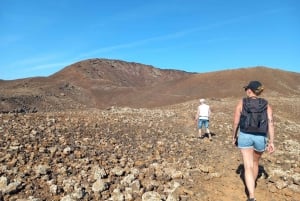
point(250, 94)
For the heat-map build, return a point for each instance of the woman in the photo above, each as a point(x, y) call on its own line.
point(252, 143)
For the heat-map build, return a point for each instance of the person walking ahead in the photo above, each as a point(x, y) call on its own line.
point(202, 118)
point(253, 118)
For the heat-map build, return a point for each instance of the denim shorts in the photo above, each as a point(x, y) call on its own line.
point(257, 142)
point(203, 122)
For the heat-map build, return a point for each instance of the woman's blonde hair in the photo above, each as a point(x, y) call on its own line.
point(259, 90)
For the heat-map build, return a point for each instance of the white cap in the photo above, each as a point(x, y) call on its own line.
point(202, 100)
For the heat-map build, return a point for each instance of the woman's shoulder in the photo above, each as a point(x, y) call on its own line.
point(240, 103)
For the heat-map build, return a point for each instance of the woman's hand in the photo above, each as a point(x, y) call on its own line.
point(234, 141)
point(271, 148)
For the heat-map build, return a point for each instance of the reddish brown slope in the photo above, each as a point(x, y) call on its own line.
point(104, 83)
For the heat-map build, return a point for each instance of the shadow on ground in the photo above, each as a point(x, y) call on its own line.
point(261, 173)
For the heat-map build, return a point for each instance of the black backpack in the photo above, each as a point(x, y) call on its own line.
point(254, 117)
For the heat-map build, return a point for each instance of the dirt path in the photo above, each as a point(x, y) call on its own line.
point(227, 162)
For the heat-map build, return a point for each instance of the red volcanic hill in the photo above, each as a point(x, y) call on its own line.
point(102, 83)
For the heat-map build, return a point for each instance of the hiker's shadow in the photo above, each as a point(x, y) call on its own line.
point(206, 135)
point(261, 173)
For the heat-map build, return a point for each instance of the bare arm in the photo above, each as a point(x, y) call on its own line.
point(236, 120)
point(271, 147)
point(197, 114)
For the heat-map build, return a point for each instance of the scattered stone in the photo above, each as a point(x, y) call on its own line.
point(130, 154)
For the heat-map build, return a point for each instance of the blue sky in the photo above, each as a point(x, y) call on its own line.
point(41, 37)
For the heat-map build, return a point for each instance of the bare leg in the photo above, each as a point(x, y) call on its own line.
point(251, 159)
point(199, 133)
point(256, 157)
point(209, 135)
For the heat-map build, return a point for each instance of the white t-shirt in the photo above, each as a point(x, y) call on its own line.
point(203, 111)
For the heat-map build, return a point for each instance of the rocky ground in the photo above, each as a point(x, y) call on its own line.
point(142, 154)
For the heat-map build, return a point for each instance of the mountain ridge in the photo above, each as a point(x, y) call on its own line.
point(102, 83)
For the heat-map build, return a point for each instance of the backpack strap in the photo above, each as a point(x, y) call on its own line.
point(246, 104)
point(260, 102)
